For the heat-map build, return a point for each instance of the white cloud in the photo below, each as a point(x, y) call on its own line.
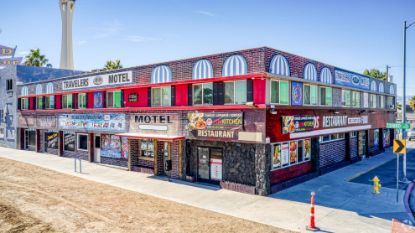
point(109, 29)
point(206, 13)
point(140, 39)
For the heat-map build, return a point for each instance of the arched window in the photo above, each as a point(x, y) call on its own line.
point(279, 66)
point(39, 89)
point(373, 86)
point(234, 65)
point(24, 91)
point(310, 72)
point(391, 90)
point(202, 69)
point(49, 88)
point(325, 76)
point(381, 88)
point(161, 74)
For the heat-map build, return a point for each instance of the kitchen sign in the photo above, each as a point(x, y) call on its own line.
point(293, 124)
point(215, 124)
point(99, 80)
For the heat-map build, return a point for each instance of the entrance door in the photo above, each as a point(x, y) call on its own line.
point(166, 157)
point(362, 144)
point(209, 164)
point(97, 148)
point(203, 163)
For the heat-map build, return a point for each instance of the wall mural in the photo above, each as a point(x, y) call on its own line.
point(7, 129)
point(296, 93)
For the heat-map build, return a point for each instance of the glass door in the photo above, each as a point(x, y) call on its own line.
point(203, 163)
point(362, 144)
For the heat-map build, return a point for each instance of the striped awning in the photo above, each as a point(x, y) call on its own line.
point(310, 72)
point(279, 66)
point(161, 74)
point(325, 76)
point(235, 65)
point(202, 69)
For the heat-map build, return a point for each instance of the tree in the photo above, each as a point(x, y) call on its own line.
point(34, 58)
point(399, 106)
point(113, 65)
point(412, 103)
point(375, 73)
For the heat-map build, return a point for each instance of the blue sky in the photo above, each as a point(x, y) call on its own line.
point(349, 34)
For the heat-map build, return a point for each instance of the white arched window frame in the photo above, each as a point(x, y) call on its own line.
point(235, 65)
point(325, 76)
point(381, 88)
point(161, 74)
point(279, 66)
point(24, 91)
point(49, 88)
point(310, 72)
point(391, 90)
point(39, 89)
point(202, 69)
point(373, 86)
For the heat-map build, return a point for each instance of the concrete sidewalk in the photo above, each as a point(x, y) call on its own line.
point(341, 206)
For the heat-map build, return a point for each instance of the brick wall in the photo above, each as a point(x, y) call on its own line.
point(76, 154)
point(114, 161)
point(332, 153)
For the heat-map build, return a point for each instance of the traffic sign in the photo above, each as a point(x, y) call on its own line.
point(399, 146)
point(391, 125)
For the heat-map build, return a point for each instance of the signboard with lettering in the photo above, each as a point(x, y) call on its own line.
point(155, 123)
point(6, 51)
point(345, 78)
point(99, 80)
point(11, 61)
point(52, 140)
point(214, 124)
point(292, 124)
point(93, 122)
point(40, 122)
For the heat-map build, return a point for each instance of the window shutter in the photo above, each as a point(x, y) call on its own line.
point(173, 95)
point(149, 97)
point(218, 95)
point(34, 102)
point(249, 90)
point(104, 99)
point(43, 102)
point(117, 99)
point(74, 101)
point(190, 95)
point(19, 103)
point(122, 98)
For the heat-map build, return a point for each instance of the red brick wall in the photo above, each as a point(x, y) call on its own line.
point(281, 175)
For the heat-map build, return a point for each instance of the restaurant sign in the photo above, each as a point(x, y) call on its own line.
point(93, 122)
point(350, 79)
point(215, 124)
point(100, 80)
point(293, 124)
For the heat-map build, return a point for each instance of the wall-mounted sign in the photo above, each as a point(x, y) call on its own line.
point(93, 122)
point(358, 120)
point(292, 124)
point(350, 79)
point(155, 123)
point(6, 51)
point(40, 122)
point(52, 140)
point(99, 80)
point(334, 121)
point(11, 61)
point(215, 124)
point(296, 93)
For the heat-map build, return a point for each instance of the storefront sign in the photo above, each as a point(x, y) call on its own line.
point(296, 93)
point(52, 140)
point(350, 79)
point(99, 80)
point(334, 121)
point(26, 121)
point(292, 124)
point(93, 122)
point(215, 124)
point(216, 169)
point(149, 123)
point(39, 122)
point(358, 120)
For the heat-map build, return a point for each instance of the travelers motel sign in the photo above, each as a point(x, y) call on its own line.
point(99, 80)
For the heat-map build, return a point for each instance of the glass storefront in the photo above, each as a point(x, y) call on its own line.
point(209, 164)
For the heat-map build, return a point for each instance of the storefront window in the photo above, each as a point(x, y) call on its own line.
point(24, 104)
point(82, 100)
point(50, 102)
point(39, 101)
point(310, 94)
point(373, 100)
point(82, 142)
point(291, 153)
point(390, 102)
point(147, 148)
point(161, 96)
point(203, 93)
point(346, 98)
point(355, 99)
point(69, 141)
point(52, 140)
point(382, 101)
point(365, 100)
point(280, 92)
point(30, 138)
point(332, 137)
point(235, 92)
point(325, 96)
point(67, 101)
point(114, 99)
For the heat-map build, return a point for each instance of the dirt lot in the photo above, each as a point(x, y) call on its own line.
point(34, 199)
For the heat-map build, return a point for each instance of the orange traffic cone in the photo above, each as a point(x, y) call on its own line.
point(312, 226)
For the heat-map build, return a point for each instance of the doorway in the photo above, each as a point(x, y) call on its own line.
point(209, 164)
point(166, 158)
point(97, 148)
point(362, 144)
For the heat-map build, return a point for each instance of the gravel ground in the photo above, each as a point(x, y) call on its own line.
point(34, 199)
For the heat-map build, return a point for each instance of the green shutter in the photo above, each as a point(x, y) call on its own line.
point(275, 92)
point(117, 99)
point(284, 92)
point(313, 95)
point(329, 96)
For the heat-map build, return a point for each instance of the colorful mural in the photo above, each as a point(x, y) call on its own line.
point(113, 146)
point(93, 122)
point(296, 93)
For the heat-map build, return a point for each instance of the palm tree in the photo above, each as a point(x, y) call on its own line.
point(113, 65)
point(34, 58)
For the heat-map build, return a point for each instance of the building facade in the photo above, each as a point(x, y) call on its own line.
point(10, 76)
point(255, 121)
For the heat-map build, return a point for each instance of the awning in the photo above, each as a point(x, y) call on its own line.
point(161, 137)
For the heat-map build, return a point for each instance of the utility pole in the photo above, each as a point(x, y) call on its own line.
point(387, 73)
